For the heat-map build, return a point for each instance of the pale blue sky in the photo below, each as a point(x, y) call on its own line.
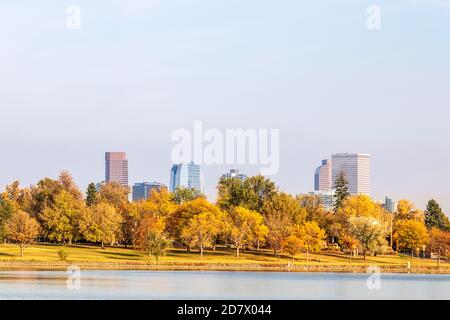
point(137, 70)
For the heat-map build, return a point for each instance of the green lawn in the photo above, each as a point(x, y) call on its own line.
point(83, 253)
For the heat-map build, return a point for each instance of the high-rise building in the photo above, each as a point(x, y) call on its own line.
point(326, 198)
point(142, 190)
point(116, 168)
point(186, 175)
point(389, 205)
point(234, 173)
point(356, 167)
point(322, 176)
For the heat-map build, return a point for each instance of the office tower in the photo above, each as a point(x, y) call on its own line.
point(356, 167)
point(389, 205)
point(142, 190)
point(186, 175)
point(326, 198)
point(116, 168)
point(322, 176)
point(234, 173)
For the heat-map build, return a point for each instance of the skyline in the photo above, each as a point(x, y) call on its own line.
point(138, 71)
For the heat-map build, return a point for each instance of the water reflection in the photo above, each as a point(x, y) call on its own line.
point(218, 285)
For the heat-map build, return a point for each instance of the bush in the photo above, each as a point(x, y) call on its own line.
point(63, 254)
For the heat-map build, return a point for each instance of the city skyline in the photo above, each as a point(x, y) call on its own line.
point(135, 73)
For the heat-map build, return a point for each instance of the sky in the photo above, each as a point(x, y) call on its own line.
point(137, 70)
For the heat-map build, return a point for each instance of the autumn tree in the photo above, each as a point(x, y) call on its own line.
point(410, 235)
point(22, 229)
point(67, 183)
point(60, 219)
point(370, 233)
point(114, 194)
point(43, 196)
point(341, 187)
point(293, 245)
point(100, 223)
point(435, 217)
point(91, 194)
point(440, 241)
point(407, 211)
point(180, 217)
point(246, 226)
point(280, 226)
point(150, 237)
point(285, 204)
point(202, 228)
point(312, 237)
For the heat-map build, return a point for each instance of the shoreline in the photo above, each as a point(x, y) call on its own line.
point(62, 266)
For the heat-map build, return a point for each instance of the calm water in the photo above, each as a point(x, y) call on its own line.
point(219, 285)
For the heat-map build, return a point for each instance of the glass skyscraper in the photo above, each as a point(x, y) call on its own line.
point(186, 175)
point(142, 190)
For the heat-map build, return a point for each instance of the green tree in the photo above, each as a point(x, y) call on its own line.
point(370, 233)
point(91, 194)
point(182, 195)
point(341, 187)
point(22, 229)
point(60, 220)
point(435, 218)
point(6, 211)
point(100, 223)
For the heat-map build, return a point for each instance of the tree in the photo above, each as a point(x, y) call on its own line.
point(180, 217)
point(407, 211)
point(410, 235)
point(285, 204)
point(114, 194)
point(293, 245)
point(341, 187)
point(369, 232)
point(280, 226)
point(43, 197)
point(202, 228)
point(440, 241)
point(22, 229)
point(251, 193)
point(6, 211)
point(91, 194)
point(100, 223)
point(182, 195)
point(435, 218)
point(60, 220)
point(149, 236)
point(246, 226)
point(68, 184)
point(312, 237)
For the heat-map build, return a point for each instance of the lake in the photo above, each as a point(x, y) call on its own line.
point(93, 284)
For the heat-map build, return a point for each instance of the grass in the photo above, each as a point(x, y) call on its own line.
point(47, 254)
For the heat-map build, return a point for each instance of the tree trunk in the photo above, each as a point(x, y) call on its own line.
point(237, 251)
point(201, 252)
point(307, 255)
point(21, 250)
point(257, 245)
point(103, 245)
point(365, 256)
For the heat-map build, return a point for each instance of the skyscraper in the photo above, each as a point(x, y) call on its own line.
point(116, 168)
point(142, 190)
point(185, 175)
point(234, 173)
point(389, 205)
point(356, 167)
point(322, 177)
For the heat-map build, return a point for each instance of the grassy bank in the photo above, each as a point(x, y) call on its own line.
point(46, 257)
